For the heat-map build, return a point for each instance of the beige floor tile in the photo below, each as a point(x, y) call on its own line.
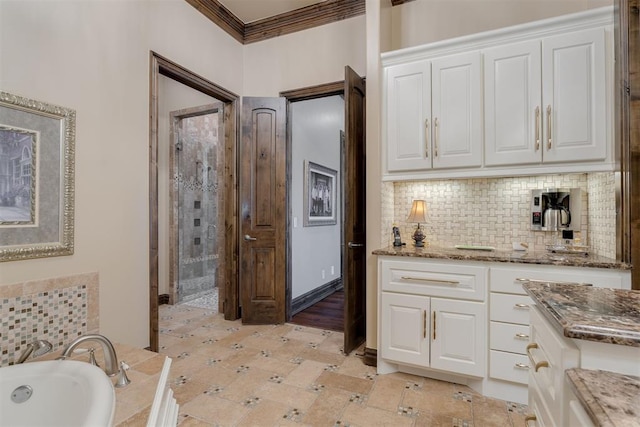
point(187, 421)
point(214, 410)
point(327, 409)
point(437, 403)
point(321, 356)
point(305, 374)
point(272, 364)
point(246, 385)
point(354, 367)
point(265, 413)
point(294, 397)
point(345, 382)
point(359, 415)
point(387, 393)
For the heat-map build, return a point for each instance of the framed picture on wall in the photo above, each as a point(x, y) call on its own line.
point(319, 195)
point(37, 150)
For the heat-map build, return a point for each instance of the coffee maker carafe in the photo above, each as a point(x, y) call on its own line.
point(555, 209)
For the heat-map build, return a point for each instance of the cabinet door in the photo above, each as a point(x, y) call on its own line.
point(512, 97)
point(574, 96)
point(408, 111)
point(458, 336)
point(404, 327)
point(456, 111)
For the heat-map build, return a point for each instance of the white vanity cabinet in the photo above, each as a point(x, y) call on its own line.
point(546, 100)
point(432, 315)
point(433, 113)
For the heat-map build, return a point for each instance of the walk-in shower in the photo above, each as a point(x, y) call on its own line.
point(196, 135)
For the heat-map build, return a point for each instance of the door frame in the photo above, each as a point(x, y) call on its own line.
point(303, 94)
point(228, 275)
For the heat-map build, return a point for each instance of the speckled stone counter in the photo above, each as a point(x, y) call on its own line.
point(609, 398)
point(522, 257)
point(589, 313)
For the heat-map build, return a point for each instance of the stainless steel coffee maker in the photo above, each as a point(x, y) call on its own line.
point(555, 209)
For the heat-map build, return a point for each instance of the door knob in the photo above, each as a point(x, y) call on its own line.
point(248, 238)
point(355, 245)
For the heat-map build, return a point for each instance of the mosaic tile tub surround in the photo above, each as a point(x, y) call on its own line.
point(57, 310)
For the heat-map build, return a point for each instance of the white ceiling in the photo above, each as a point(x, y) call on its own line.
point(252, 10)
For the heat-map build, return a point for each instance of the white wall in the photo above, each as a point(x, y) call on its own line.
point(93, 56)
point(305, 58)
point(316, 126)
point(424, 21)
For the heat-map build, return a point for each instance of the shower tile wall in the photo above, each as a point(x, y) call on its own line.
point(196, 206)
point(57, 310)
point(495, 211)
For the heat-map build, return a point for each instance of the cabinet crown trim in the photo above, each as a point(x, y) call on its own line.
point(591, 18)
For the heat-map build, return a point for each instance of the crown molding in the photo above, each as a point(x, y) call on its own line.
point(327, 12)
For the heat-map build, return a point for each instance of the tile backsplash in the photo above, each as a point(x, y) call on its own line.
point(57, 310)
point(495, 211)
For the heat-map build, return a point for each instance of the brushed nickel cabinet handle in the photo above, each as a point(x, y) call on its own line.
point(549, 133)
point(426, 137)
point(536, 365)
point(420, 279)
point(434, 325)
point(529, 418)
point(522, 306)
point(522, 336)
point(436, 136)
point(424, 324)
point(521, 366)
point(537, 128)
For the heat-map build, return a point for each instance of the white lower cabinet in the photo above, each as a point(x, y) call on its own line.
point(426, 331)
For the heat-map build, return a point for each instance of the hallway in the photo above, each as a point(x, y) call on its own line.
point(227, 374)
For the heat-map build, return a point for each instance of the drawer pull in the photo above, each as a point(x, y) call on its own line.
point(538, 365)
point(420, 279)
point(522, 336)
point(426, 138)
point(523, 280)
point(521, 366)
point(522, 306)
point(529, 418)
point(424, 326)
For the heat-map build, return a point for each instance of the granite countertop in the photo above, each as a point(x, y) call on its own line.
point(609, 398)
point(522, 257)
point(589, 313)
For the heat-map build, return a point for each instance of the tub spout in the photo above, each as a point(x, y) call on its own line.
point(110, 358)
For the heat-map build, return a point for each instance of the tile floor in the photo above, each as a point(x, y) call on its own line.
point(227, 374)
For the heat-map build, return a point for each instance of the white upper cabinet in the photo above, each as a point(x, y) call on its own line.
point(434, 113)
point(530, 99)
point(512, 99)
point(545, 101)
point(456, 110)
point(408, 113)
point(574, 96)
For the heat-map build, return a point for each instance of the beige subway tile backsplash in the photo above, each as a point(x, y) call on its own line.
point(495, 211)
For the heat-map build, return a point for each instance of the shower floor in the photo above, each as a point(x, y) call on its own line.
point(208, 301)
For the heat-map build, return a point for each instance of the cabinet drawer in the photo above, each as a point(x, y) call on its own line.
point(509, 337)
point(509, 366)
point(510, 308)
point(434, 279)
point(510, 279)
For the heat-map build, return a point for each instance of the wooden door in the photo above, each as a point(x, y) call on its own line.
point(512, 97)
point(263, 210)
point(574, 96)
point(354, 245)
point(408, 111)
point(456, 110)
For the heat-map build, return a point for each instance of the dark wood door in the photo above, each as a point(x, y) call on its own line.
point(354, 247)
point(263, 210)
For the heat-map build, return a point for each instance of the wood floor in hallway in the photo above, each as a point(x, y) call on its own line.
point(325, 314)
